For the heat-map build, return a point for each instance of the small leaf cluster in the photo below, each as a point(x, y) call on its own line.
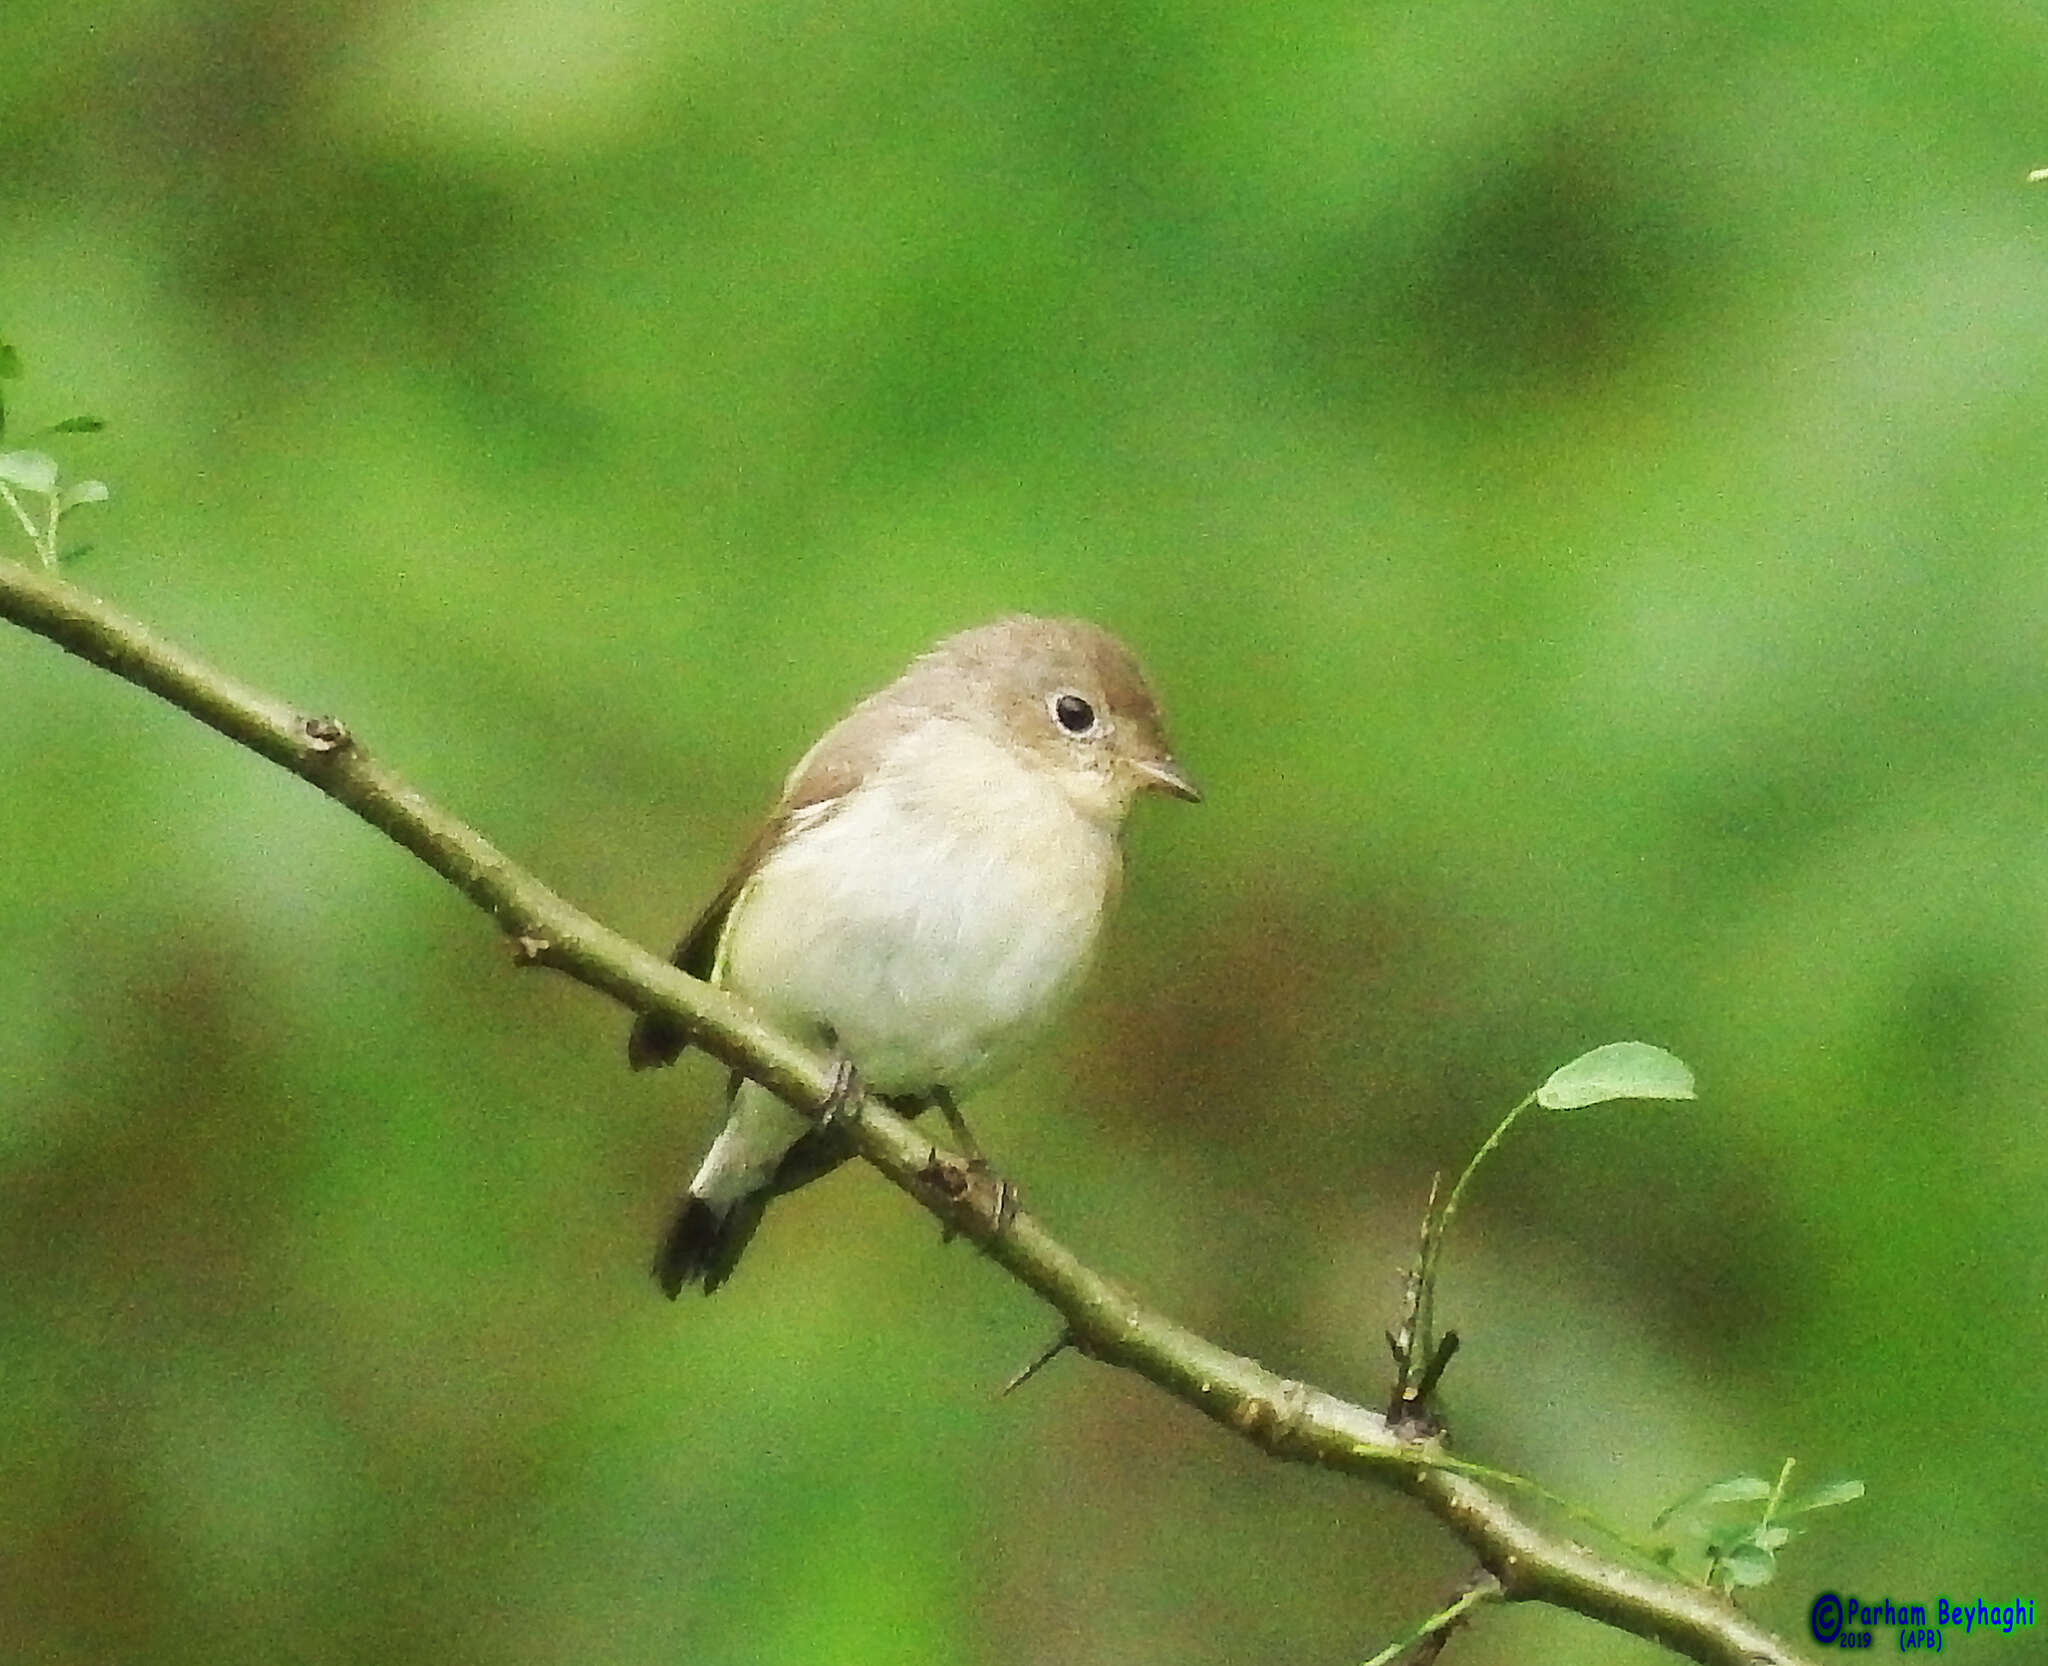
point(1727, 1534)
point(31, 483)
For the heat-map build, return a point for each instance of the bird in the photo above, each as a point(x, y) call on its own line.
point(923, 899)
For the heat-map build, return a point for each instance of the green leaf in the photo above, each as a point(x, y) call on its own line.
point(1823, 1498)
point(83, 491)
point(1620, 1070)
point(79, 425)
point(32, 471)
point(1737, 1489)
point(1740, 1489)
point(1749, 1564)
point(10, 362)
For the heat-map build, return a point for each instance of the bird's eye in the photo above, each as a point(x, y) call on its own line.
point(1075, 715)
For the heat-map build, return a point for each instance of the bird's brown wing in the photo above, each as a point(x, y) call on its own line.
point(658, 1037)
point(821, 779)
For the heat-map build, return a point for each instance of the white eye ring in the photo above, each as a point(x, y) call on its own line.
point(1073, 714)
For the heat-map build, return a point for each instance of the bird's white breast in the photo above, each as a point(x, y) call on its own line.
point(931, 919)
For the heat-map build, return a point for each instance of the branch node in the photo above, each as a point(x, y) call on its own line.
point(945, 1175)
point(1272, 1423)
point(1251, 1418)
point(1420, 1355)
point(326, 734)
point(1409, 1413)
point(979, 1201)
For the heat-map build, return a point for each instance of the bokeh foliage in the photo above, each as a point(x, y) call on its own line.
point(1575, 473)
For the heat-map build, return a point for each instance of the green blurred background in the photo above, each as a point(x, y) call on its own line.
point(1575, 473)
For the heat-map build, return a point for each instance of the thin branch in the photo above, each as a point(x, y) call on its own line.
point(1435, 1631)
point(1287, 1419)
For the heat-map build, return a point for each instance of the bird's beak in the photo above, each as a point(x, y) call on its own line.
point(1163, 775)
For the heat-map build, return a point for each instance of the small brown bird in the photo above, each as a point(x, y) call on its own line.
point(923, 899)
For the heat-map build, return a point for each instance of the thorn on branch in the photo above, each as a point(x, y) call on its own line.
point(1052, 1351)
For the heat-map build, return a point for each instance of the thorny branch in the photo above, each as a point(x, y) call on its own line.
point(1286, 1419)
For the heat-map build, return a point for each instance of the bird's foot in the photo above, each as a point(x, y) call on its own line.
point(846, 1092)
point(968, 1179)
point(963, 1136)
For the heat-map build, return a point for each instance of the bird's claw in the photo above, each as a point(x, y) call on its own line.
point(845, 1093)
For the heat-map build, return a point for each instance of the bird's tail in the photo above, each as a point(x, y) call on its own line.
point(704, 1240)
point(764, 1150)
